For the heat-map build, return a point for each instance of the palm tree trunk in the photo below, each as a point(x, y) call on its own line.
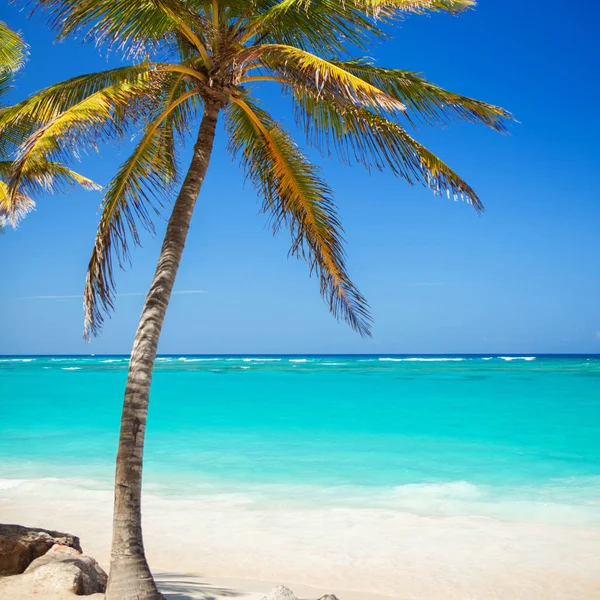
point(130, 577)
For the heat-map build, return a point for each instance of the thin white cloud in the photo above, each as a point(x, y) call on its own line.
point(80, 297)
point(426, 284)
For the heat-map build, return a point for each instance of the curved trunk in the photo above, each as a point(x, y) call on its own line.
point(130, 577)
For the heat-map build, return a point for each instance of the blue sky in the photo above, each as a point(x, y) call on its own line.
point(523, 277)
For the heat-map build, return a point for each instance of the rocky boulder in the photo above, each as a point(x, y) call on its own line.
point(66, 569)
point(19, 546)
point(283, 593)
point(280, 593)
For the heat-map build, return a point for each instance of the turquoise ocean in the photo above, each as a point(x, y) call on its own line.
point(503, 437)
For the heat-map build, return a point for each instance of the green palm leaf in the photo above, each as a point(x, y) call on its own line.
point(415, 6)
point(12, 55)
point(302, 69)
point(137, 26)
point(296, 196)
point(359, 135)
point(101, 115)
point(325, 26)
point(424, 100)
point(138, 190)
point(20, 120)
point(42, 176)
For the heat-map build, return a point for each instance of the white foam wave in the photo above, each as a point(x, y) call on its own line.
point(261, 359)
point(422, 359)
point(204, 359)
point(8, 484)
point(298, 360)
point(195, 360)
point(517, 357)
point(10, 360)
point(113, 360)
point(70, 368)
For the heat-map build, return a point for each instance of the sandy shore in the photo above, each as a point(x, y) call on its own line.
point(218, 547)
point(177, 586)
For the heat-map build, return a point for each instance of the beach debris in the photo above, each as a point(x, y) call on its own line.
point(19, 546)
point(280, 593)
point(329, 597)
point(61, 570)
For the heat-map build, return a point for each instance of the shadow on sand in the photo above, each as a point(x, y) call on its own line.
point(176, 586)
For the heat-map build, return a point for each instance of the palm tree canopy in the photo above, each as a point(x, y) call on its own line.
point(37, 175)
point(12, 55)
point(196, 52)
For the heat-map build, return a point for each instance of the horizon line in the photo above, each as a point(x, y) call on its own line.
point(285, 354)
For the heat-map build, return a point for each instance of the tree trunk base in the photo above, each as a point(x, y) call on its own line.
point(130, 579)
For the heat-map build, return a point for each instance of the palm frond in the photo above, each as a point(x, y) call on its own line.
point(47, 104)
point(12, 55)
point(361, 136)
point(138, 189)
point(12, 49)
point(306, 70)
point(134, 26)
point(22, 120)
point(99, 116)
point(20, 207)
point(426, 101)
point(327, 26)
point(43, 176)
point(296, 196)
point(414, 6)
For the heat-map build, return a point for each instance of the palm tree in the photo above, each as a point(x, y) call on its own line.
point(38, 176)
point(202, 60)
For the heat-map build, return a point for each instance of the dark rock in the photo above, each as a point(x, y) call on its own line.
point(329, 597)
point(19, 546)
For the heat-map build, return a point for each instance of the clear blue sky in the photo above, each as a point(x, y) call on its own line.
point(524, 277)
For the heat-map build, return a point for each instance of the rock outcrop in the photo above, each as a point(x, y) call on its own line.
point(19, 546)
point(283, 593)
point(64, 568)
point(280, 593)
point(61, 570)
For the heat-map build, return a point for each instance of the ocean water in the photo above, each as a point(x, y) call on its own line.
point(516, 439)
point(437, 478)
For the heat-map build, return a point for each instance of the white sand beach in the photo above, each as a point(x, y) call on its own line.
point(214, 547)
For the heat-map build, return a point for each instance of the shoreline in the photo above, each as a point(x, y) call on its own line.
point(357, 554)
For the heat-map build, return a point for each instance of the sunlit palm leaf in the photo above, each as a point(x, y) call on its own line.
point(325, 26)
point(359, 135)
point(138, 26)
point(424, 100)
point(415, 6)
point(12, 55)
point(136, 192)
point(296, 196)
point(20, 207)
point(22, 118)
point(42, 176)
point(99, 116)
point(304, 69)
